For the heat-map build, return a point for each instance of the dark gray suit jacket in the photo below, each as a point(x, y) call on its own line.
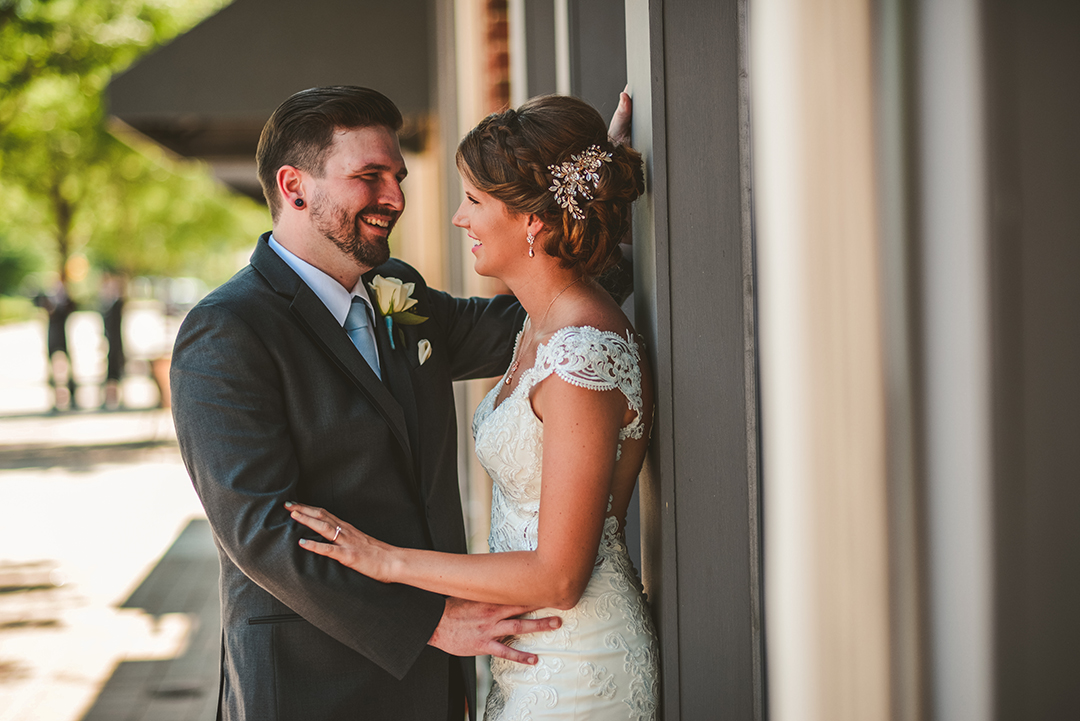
point(273, 403)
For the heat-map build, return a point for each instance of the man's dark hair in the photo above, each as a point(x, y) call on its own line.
point(302, 129)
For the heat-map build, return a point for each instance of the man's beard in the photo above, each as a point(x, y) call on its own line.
point(350, 234)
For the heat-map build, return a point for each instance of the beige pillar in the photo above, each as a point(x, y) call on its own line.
point(822, 380)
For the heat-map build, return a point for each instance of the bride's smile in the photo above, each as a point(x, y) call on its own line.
point(498, 236)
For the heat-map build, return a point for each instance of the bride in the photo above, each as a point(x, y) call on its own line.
point(564, 432)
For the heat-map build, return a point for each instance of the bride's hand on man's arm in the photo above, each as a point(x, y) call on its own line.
point(346, 544)
point(467, 628)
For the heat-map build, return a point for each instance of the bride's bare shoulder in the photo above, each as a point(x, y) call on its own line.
point(599, 311)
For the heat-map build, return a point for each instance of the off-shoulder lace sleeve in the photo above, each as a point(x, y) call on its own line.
point(596, 360)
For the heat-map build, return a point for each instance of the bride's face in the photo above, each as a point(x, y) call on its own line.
point(498, 235)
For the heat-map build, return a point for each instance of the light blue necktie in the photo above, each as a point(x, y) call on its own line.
point(357, 323)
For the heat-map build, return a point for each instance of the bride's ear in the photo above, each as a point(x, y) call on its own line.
point(535, 226)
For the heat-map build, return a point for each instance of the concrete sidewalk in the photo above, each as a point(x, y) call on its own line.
point(108, 575)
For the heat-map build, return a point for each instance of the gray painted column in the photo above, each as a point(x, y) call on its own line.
point(1032, 61)
point(694, 283)
point(597, 46)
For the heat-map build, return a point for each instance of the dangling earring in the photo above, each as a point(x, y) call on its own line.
point(530, 237)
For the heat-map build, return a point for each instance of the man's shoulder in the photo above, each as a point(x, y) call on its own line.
point(242, 286)
point(397, 268)
point(245, 293)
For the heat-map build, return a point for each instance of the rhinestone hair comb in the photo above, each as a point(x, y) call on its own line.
point(577, 178)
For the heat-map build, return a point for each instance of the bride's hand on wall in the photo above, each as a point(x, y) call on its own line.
point(345, 543)
point(619, 128)
point(619, 132)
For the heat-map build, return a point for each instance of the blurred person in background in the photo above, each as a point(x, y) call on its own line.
point(111, 306)
point(59, 306)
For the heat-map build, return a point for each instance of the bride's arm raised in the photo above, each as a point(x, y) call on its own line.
point(581, 430)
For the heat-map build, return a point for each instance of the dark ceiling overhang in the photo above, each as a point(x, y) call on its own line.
point(208, 93)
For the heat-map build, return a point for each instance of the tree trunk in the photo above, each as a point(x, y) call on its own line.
point(64, 212)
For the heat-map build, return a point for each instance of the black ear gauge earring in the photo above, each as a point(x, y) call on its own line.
point(299, 202)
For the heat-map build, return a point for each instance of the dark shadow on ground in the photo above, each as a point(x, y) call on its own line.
point(76, 412)
point(184, 688)
point(80, 458)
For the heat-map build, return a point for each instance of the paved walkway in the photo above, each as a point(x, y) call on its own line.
point(108, 599)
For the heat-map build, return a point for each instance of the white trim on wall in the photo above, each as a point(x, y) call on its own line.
point(562, 47)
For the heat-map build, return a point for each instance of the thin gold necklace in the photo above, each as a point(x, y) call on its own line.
point(517, 360)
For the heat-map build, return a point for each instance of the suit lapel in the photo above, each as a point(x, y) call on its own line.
point(311, 311)
point(397, 374)
point(324, 330)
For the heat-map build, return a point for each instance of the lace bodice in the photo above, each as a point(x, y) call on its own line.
point(583, 356)
point(508, 437)
point(602, 663)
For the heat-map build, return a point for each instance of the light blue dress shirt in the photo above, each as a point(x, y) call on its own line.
point(333, 295)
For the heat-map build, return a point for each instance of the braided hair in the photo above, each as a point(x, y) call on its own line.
point(508, 156)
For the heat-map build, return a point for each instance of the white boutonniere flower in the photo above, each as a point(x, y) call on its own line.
point(394, 299)
point(423, 350)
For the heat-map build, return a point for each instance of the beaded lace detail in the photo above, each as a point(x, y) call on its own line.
point(602, 663)
point(589, 358)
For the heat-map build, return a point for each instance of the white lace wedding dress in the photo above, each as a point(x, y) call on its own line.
point(602, 663)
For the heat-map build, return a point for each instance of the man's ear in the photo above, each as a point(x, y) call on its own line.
point(290, 183)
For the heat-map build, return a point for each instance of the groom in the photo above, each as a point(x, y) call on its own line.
point(288, 383)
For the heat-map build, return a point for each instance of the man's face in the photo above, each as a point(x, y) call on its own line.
point(359, 198)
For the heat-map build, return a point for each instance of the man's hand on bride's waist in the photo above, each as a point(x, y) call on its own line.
point(470, 628)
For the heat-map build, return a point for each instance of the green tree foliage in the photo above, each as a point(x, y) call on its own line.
point(71, 185)
point(163, 216)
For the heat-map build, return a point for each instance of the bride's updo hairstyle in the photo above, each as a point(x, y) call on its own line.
point(508, 156)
